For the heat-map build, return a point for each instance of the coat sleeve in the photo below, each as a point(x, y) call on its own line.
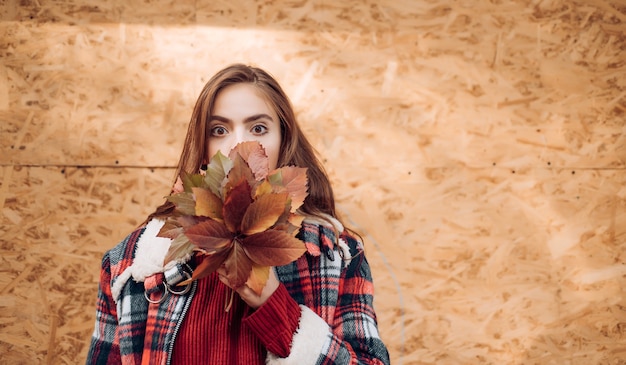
point(104, 348)
point(352, 337)
point(355, 338)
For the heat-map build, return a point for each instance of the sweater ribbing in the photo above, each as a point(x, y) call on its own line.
point(210, 335)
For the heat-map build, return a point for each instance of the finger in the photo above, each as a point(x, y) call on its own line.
point(224, 280)
point(178, 186)
point(244, 291)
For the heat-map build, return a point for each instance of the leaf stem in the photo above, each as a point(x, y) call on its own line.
point(229, 302)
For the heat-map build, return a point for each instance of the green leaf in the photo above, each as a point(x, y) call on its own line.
point(207, 204)
point(185, 203)
point(180, 247)
point(216, 172)
point(273, 248)
point(276, 178)
point(191, 181)
point(235, 205)
point(263, 213)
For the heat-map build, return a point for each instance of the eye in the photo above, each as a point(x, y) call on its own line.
point(259, 129)
point(218, 131)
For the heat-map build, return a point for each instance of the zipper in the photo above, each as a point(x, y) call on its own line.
point(192, 292)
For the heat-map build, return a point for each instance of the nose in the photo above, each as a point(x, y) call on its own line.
point(238, 137)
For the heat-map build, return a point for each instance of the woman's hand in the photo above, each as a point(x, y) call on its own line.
point(249, 295)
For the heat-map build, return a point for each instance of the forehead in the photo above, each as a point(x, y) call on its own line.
point(242, 96)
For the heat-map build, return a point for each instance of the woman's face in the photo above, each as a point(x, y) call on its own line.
point(242, 114)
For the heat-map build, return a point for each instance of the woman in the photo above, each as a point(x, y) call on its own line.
point(315, 310)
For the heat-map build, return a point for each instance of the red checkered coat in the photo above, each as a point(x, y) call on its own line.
point(331, 283)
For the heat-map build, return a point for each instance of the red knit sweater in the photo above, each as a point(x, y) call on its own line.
point(209, 335)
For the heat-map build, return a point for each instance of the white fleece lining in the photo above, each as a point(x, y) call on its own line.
point(325, 222)
point(311, 339)
point(149, 256)
point(347, 257)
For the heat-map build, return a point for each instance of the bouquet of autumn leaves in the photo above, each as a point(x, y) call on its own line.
point(238, 215)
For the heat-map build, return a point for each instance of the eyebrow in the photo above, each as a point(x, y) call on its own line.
point(249, 119)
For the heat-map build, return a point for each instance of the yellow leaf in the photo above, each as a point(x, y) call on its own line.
point(258, 278)
point(263, 188)
point(207, 204)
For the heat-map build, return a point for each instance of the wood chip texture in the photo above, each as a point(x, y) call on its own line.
point(479, 147)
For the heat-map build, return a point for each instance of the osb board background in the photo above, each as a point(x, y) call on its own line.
point(478, 146)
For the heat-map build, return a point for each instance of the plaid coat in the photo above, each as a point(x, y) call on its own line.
point(331, 283)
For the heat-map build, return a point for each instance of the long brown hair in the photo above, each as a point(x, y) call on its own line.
point(295, 149)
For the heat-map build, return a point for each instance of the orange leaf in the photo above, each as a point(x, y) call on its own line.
point(263, 213)
point(258, 278)
point(254, 154)
point(238, 266)
point(296, 219)
point(294, 180)
point(239, 171)
point(209, 235)
point(207, 204)
point(273, 248)
point(235, 205)
point(171, 229)
point(210, 264)
point(289, 222)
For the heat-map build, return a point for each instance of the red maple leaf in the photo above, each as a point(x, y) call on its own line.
point(239, 216)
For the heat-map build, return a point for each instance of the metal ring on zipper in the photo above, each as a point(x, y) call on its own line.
point(185, 290)
point(161, 299)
